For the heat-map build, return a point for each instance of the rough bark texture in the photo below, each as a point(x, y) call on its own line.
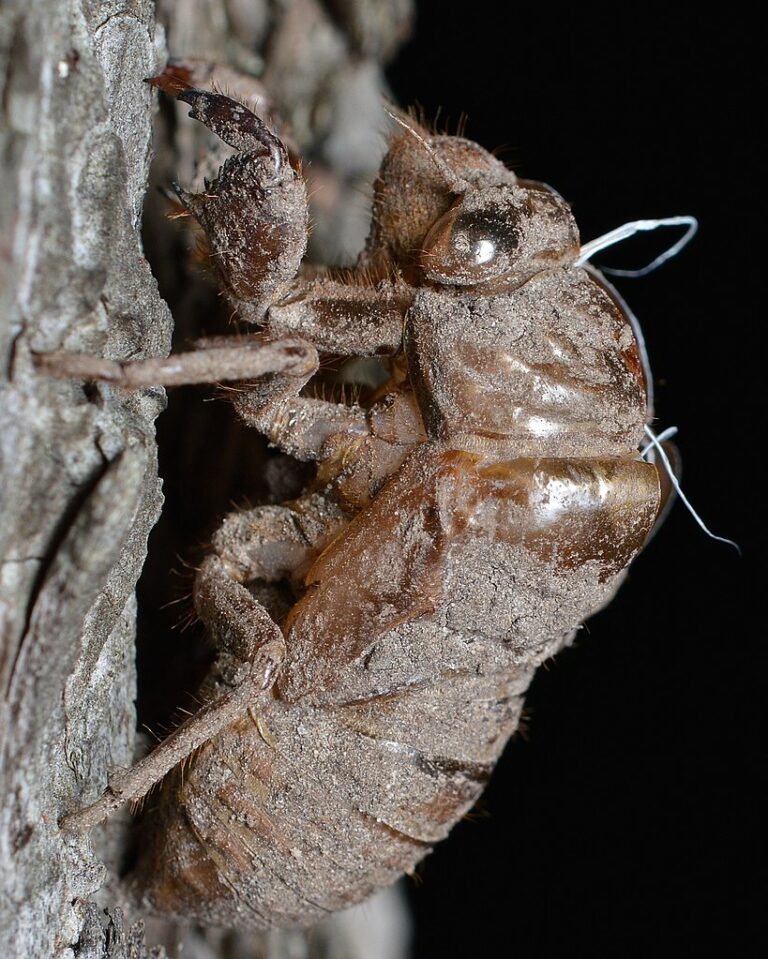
point(78, 466)
point(79, 472)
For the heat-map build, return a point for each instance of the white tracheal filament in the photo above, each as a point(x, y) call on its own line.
point(654, 446)
point(632, 228)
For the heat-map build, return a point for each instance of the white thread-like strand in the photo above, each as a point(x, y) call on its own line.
point(650, 446)
point(630, 229)
point(655, 444)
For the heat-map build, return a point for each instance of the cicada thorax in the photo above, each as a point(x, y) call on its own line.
point(550, 368)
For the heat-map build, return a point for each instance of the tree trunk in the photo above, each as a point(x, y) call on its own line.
point(78, 466)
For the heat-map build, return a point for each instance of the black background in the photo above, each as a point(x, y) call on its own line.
point(628, 823)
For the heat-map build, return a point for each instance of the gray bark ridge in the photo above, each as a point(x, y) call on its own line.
point(78, 466)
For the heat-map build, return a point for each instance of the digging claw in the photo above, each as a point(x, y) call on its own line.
point(234, 124)
point(254, 212)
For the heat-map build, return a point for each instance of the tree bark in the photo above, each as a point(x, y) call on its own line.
point(78, 463)
point(80, 490)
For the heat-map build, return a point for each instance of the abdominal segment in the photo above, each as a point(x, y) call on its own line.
point(302, 810)
point(391, 714)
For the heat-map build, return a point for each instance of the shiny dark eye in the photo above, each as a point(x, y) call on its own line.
point(466, 247)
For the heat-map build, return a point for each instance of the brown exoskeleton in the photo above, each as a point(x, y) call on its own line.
point(464, 520)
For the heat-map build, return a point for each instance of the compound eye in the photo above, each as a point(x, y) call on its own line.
point(466, 247)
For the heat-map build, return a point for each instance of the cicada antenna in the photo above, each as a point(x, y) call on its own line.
point(456, 183)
